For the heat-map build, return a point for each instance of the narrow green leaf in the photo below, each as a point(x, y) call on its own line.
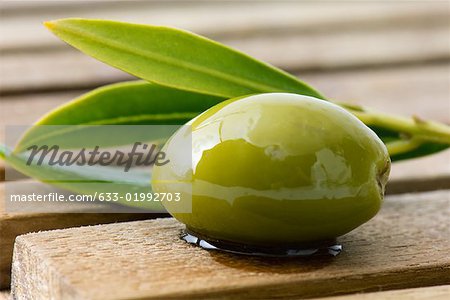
point(176, 58)
point(88, 179)
point(421, 150)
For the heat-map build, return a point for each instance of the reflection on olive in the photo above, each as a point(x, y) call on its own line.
point(275, 169)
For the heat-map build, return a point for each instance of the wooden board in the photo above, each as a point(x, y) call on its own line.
point(430, 293)
point(421, 174)
point(25, 110)
point(416, 90)
point(22, 71)
point(21, 25)
point(14, 224)
point(404, 246)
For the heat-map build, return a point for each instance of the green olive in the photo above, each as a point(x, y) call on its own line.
point(276, 169)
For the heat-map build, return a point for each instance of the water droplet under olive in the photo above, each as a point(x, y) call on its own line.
point(277, 169)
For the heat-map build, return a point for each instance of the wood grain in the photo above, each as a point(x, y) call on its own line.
point(25, 110)
point(294, 52)
point(423, 91)
point(64, 216)
point(21, 27)
point(421, 174)
point(405, 246)
point(430, 293)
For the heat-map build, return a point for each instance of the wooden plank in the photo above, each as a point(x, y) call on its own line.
point(421, 174)
point(405, 246)
point(24, 111)
point(14, 224)
point(27, 6)
point(430, 293)
point(349, 49)
point(49, 71)
point(23, 71)
point(423, 90)
point(22, 29)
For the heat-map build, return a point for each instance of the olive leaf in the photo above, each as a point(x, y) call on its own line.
point(176, 58)
point(404, 137)
point(88, 180)
point(127, 103)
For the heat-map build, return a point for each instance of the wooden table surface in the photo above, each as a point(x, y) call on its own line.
point(393, 56)
point(399, 248)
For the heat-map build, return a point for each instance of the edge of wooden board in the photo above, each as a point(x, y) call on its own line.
point(440, 292)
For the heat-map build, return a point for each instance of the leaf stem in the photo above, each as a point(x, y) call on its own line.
point(402, 146)
point(413, 132)
point(411, 127)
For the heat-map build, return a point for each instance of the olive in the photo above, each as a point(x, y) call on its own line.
point(275, 169)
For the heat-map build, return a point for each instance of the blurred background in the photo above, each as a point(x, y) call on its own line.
point(389, 55)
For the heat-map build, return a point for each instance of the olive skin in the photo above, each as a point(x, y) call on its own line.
point(276, 169)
